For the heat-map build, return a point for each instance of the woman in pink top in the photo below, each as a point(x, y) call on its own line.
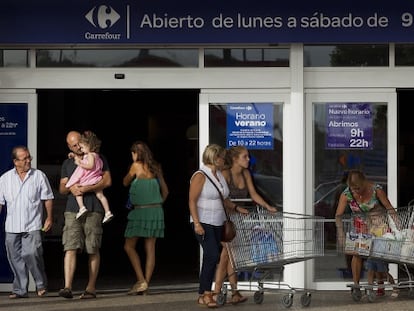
point(89, 172)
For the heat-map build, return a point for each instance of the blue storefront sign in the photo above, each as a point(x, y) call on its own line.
point(250, 125)
point(205, 22)
point(13, 132)
point(349, 126)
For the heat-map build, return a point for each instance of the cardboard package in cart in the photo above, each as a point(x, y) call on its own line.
point(386, 247)
point(357, 243)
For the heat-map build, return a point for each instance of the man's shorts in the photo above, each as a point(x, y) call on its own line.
point(84, 233)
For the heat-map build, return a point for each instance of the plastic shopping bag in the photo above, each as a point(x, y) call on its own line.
point(264, 246)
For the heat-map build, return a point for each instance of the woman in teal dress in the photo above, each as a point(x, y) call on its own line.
point(147, 191)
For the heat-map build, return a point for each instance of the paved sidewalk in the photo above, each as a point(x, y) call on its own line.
point(171, 298)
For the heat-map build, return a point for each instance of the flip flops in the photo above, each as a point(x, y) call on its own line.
point(87, 295)
point(42, 292)
point(17, 296)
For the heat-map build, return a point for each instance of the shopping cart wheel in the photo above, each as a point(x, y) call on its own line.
point(287, 300)
point(221, 299)
point(411, 292)
point(258, 297)
point(356, 294)
point(305, 299)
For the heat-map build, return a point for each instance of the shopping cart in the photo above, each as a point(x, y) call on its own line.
point(395, 245)
point(265, 242)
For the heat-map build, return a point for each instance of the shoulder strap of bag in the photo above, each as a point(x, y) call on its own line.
point(221, 195)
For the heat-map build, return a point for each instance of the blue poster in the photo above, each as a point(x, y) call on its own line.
point(250, 125)
point(349, 126)
point(13, 132)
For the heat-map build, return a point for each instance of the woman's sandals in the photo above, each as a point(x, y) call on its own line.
point(138, 288)
point(237, 298)
point(207, 300)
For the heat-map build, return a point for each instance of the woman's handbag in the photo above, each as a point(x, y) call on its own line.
point(229, 229)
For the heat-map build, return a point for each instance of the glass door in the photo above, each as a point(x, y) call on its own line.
point(346, 130)
point(255, 121)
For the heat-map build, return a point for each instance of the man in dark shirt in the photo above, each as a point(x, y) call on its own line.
point(83, 234)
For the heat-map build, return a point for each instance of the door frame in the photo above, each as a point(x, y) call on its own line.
point(386, 95)
point(294, 274)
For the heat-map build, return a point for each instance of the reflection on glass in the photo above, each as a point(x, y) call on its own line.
point(252, 57)
point(118, 58)
point(404, 55)
point(14, 58)
point(346, 55)
point(330, 169)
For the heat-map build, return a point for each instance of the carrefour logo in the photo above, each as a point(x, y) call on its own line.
point(103, 17)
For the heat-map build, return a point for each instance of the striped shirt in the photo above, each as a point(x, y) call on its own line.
point(23, 199)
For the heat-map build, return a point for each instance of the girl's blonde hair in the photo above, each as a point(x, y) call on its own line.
point(233, 152)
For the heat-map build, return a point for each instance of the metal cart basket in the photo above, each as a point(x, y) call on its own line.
point(395, 244)
point(266, 241)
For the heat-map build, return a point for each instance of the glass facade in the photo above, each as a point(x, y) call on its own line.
point(118, 58)
point(246, 57)
point(346, 55)
point(404, 55)
point(341, 55)
point(14, 58)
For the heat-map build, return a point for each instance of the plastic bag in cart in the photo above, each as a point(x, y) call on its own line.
point(264, 246)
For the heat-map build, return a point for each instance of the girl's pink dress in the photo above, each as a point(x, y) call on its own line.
point(86, 177)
